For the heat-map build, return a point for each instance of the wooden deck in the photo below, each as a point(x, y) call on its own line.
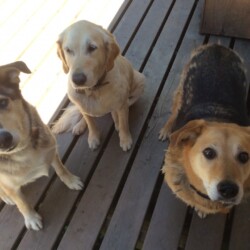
point(125, 203)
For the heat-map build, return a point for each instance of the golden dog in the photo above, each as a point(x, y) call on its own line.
point(27, 147)
point(207, 161)
point(100, 81)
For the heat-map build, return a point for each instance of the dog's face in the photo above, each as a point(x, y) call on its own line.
point(217, 155)
point(87, 52)
point(14, 124)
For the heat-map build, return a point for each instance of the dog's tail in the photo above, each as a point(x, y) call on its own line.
point(71, 120)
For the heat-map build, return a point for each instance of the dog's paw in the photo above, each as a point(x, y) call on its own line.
point(33, 221)
point(201, 214)
point(73, 182)
point(79, 128)
point(126, 143)
point(59, 128)
point(93, 141)
point(163, 134)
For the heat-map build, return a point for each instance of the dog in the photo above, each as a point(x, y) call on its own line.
point(207, 161)
point(100, 81)
point(27, 146)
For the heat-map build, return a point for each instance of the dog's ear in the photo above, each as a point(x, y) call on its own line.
point(21, 66)
point(12, 71)
point(61, 55)
point(113, 51)
point(188, 133)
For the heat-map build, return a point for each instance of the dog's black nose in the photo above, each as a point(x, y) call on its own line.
point(6, 139)
point(79, 79)
point(227, 189)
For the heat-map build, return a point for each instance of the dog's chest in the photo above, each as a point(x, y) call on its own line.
point(24, 169)
point(99, 103)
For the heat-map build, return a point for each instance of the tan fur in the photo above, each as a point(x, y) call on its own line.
point(185, 163)
point(32, 152)
point(119, 85)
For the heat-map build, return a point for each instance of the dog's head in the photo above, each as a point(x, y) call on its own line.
point(216, 158)
point(87, 52)
point(12, 114)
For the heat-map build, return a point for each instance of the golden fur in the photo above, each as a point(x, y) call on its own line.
point(100, 81)
point(27, 147)
point(185, 164)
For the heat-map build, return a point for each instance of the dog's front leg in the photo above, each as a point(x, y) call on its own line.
point(6, 198)
point(70, 180)
point(31, 218)
point(166, 130)
point(124, 133)
point(115, 119)
point(94, 135)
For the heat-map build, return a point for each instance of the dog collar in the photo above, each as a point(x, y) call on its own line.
point(100, 82)
point(205, 196)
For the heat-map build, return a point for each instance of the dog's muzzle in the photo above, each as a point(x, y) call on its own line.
point(6, 140)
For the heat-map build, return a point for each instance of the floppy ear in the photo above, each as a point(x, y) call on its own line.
point(12, 71)
point(21, 66)
point(60, 54)
point(188, 133)
point(112, 50)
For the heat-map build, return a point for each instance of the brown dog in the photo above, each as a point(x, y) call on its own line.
point(207, 162)
point(27, 147)
point(100, 81)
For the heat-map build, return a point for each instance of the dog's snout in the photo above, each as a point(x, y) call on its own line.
point(6, 139)
point(79, 79)
point(228, 189)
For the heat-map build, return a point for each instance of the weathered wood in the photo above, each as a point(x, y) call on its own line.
point(167, 222)
point(146, 167)
point(206, 233)
point(239, 237)
point(226, 17)
point(127, 25)
point(162, 234)
point(125, 204)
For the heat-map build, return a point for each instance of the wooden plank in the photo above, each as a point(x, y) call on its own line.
point(239, 237)
point(48, 10)
point(139, 186)
point(167, 222)
point(127, 26)
point(226, 17)
point(160, 232)
point(18, 19)
point(9, 10)
point(154, 19)
point(98, 197)
point(206, 233)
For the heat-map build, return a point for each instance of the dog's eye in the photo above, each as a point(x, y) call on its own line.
point(243, 157)
point(4, 103)
point(69, 51)
point(209, 153)
point(92, 47)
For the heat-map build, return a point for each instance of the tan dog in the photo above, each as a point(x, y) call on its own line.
point(27, 147)
point(207, 162)
point(100, 81)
